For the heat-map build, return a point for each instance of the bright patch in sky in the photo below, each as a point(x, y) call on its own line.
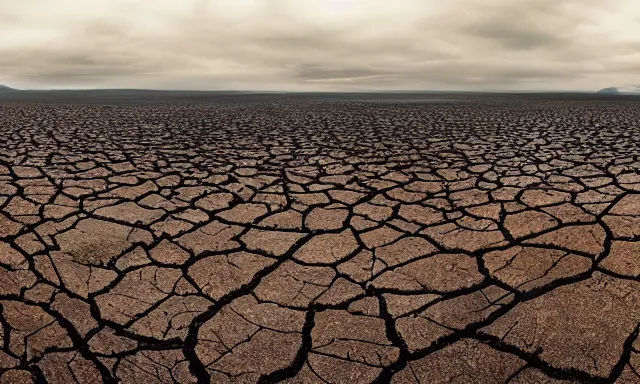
point(321, 44)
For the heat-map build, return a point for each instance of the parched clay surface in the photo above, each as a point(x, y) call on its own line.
point(318, 241)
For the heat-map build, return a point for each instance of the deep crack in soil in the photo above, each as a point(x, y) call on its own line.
point(271, 239)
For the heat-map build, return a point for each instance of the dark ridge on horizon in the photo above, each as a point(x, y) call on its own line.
point(243, 91)
point(150, 97)
point(624, 90)
point(411, 91)
point(609, 91)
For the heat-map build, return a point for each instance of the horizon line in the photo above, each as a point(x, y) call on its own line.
point(7, 88)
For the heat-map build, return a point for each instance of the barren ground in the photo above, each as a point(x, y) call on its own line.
point(314, 240)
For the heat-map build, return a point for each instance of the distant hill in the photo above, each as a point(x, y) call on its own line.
point(609, 91)
point(5, 88)
point(624, 90)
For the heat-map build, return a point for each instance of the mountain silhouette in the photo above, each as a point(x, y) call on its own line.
point(609, 91)
point(627, 89)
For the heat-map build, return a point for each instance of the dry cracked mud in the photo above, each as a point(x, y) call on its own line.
point(320, 241)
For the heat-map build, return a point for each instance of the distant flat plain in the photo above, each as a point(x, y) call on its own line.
point(243, 237)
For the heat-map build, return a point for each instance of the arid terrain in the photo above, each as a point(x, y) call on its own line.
point(320, 239)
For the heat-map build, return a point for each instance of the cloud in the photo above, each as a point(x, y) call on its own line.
point(320, 44)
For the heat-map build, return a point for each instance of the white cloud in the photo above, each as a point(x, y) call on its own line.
point(320, 44)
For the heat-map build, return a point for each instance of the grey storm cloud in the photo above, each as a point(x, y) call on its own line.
point(320, 44)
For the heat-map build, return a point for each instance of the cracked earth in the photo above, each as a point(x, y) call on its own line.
point(320, 241)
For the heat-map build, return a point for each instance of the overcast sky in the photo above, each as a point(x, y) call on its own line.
point(320, 44)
